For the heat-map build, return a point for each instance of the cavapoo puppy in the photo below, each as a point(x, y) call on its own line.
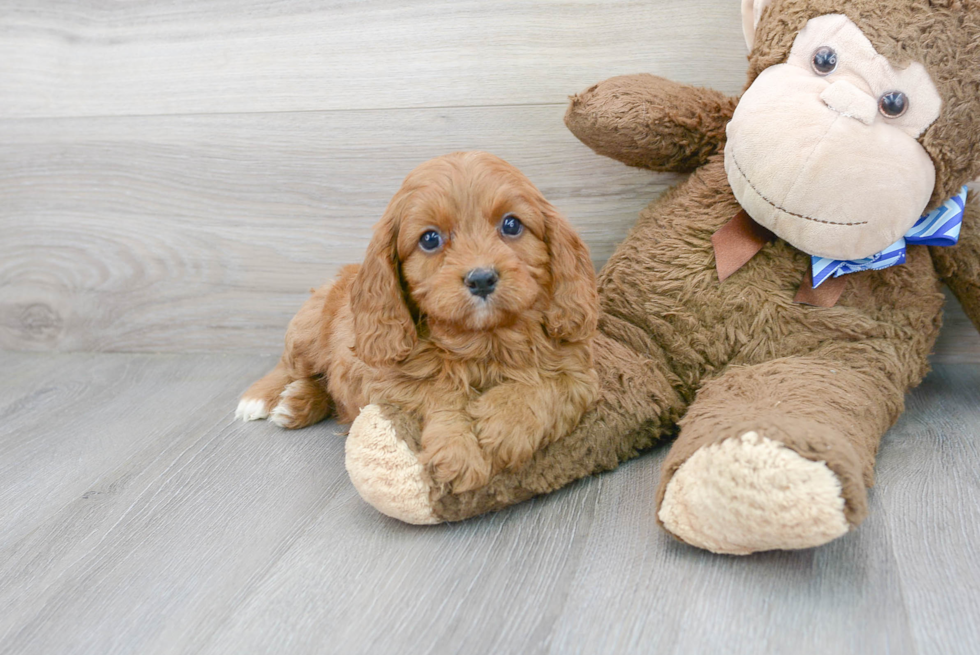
point(474, 310)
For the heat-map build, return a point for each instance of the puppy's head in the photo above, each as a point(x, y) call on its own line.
point(469, 243)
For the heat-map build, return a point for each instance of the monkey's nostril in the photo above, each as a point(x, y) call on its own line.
point(481, 281)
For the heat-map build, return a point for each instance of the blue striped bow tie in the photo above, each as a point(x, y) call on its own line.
point(940, 227)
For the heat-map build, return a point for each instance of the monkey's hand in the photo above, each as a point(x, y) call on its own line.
point(650, 122)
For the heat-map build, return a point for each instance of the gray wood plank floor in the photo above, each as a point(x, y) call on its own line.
point(137, 517)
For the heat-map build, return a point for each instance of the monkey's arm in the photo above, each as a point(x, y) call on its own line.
point(959, 265)
point(637, 406)
point(651, 122)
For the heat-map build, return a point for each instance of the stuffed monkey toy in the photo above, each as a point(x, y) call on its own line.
point(773, 309)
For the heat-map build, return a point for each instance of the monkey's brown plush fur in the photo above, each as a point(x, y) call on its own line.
point(765, 395)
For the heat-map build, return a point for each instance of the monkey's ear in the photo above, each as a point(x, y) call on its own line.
point(384, 332)
point(751, 13)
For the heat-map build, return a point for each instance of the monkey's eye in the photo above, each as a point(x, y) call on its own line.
point(511, 226)
point(431, 241)
point(893, 105)
point(824, 61)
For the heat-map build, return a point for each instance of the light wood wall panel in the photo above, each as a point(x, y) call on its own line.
point(70, 58)
point(205, 232)
point(175, 174)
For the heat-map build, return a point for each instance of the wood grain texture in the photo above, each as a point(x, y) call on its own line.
point(142, 522)
point(175, 174)
point(205, 233)
point(68, 58)
point(203, 164)
point(163, 527)
point(928, 485)
point(959, 341)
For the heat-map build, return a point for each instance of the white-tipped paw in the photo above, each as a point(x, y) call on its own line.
point(280, 416)
point(251, 409)
point(282, 413)
point(385, 471)
point(751, 494)
point(303, 402)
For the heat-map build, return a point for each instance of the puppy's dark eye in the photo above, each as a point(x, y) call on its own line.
point(511, 226)
point(824, 61)
point(430, 241)
point(893, 104)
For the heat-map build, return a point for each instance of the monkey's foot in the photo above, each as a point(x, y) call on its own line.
point(750, 494)
point(385, 471)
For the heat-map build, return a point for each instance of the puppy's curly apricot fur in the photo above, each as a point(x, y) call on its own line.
point(474, 310)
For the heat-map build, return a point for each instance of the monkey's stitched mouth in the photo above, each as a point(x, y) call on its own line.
point(777, 207)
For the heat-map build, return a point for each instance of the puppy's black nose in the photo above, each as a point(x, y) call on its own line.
point(481, 281)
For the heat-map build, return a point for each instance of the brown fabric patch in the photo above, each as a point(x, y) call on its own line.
point(741, 239)
point(826, 295)
point(738, 241)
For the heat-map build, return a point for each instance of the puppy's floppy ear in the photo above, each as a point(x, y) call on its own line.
point(574, 311)
point(384, 332)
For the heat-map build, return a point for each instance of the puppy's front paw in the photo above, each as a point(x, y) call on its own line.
point(458, 463)
point(251, 409)
point(507, 444)
point(509, 434)
point(302, 403)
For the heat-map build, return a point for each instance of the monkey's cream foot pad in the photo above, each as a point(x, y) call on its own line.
point(385, 471)
point(751, 494)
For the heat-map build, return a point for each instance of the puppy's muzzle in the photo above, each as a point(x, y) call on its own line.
point(481, 281)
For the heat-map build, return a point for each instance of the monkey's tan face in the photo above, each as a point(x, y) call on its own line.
point(822, 149)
